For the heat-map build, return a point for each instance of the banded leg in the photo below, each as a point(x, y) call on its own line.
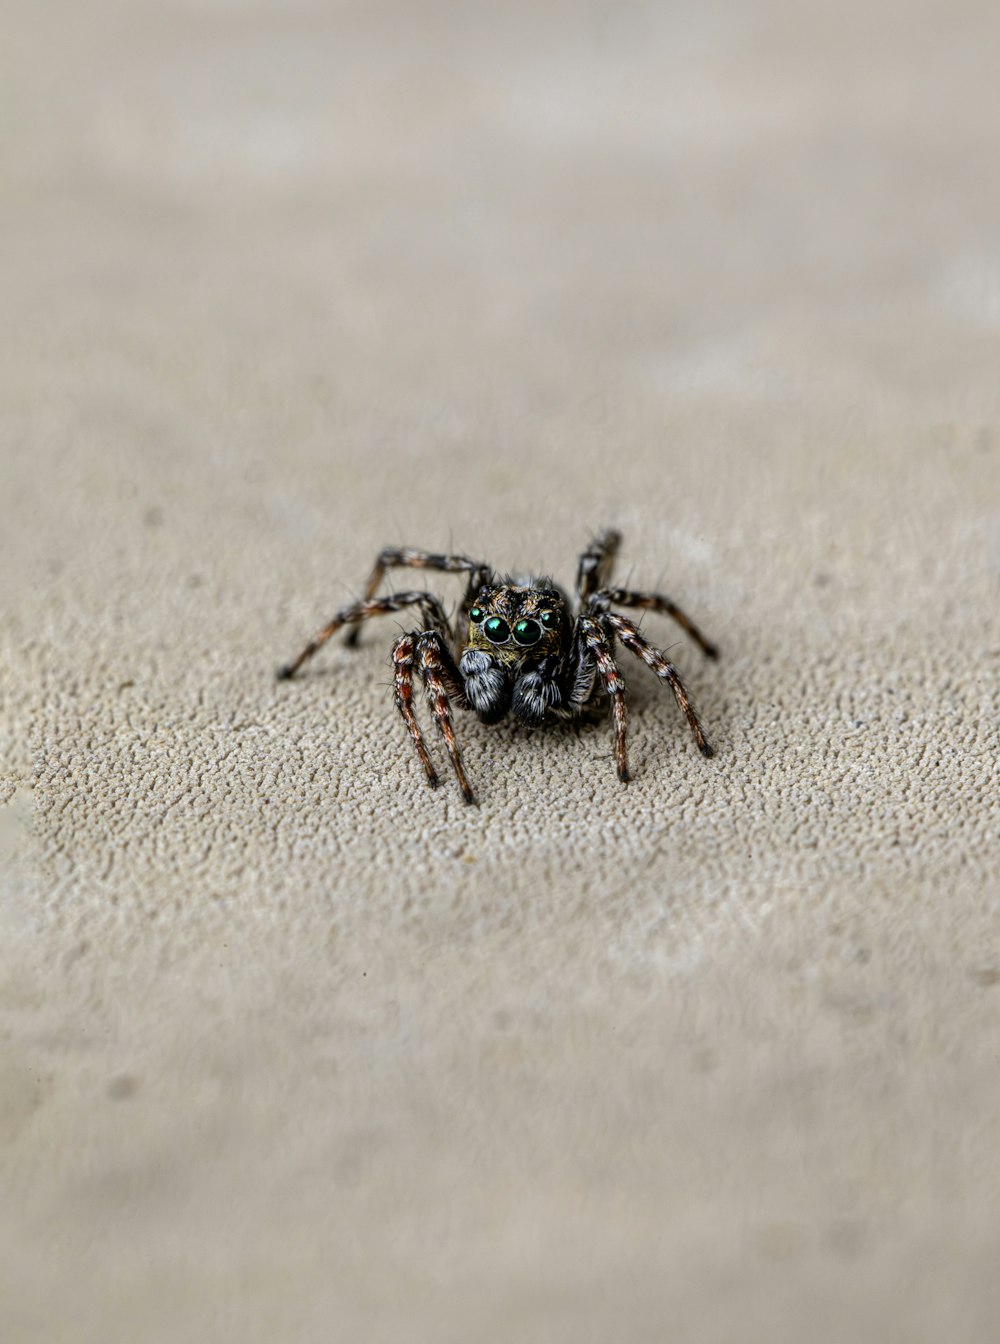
point(596, 563)
point(625, 597)
point(402, 694)
point(598, 646)
point(659, 663)
point(431, 611)
point(437, 669)
point(405, 557)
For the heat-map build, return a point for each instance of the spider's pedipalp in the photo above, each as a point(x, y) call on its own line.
point(430, 609)
point(599, 647)
point(625, 597)
point(487, 684)
point(536, 692)
point(657, 661)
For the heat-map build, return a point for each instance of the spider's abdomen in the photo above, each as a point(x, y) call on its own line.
point(488, 686)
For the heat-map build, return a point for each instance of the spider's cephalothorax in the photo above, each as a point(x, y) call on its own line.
point(517, 647)
point(517, 642)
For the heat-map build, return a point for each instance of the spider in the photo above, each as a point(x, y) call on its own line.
point(517, 646)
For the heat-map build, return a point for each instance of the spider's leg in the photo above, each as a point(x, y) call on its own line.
point(405, 557)
point(595, 565)
point(598, 646)
point(402, 694)
point(580, 675)
point(625, 597)
point(430, 609)
point(448, 670)
point(659, 663)
point(433, 661)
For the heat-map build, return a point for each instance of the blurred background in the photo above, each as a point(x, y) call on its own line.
point(463, 256)
point(297, 1049)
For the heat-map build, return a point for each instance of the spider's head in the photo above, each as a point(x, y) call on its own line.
point(519, 625)
point(518, 637)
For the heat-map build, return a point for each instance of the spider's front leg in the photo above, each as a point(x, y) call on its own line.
point(406, 557)
point(442, 680)
point(596, 645)
point(430, 609)
point(403, 652)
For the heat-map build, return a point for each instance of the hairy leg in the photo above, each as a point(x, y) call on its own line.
point(625, 597)
point(658, 662)
point(405, 557)
point(439, 674)
point(597, 646)
point(596, 563)
point(430, 609)
point(402, 687)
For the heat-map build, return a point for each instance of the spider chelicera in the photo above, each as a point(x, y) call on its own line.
point(517, 647)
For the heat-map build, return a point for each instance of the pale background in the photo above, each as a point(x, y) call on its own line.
point(293, 1048)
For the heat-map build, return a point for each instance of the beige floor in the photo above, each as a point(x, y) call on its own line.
point(293, 1048)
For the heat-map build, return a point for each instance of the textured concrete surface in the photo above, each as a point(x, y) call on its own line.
point(293, 1048)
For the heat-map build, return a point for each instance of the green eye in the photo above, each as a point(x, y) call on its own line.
point(476, 614)
point(497, 630)
point(527, 632)
point(550, 619)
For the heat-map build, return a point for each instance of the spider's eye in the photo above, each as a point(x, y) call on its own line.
point(476, 614)
point(497, 630)
point(527, 632)
point(550, 619)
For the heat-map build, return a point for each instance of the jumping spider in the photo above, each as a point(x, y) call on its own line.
point(524, 650)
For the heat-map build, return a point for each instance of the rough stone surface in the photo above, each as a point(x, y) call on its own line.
point(293, 1048)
